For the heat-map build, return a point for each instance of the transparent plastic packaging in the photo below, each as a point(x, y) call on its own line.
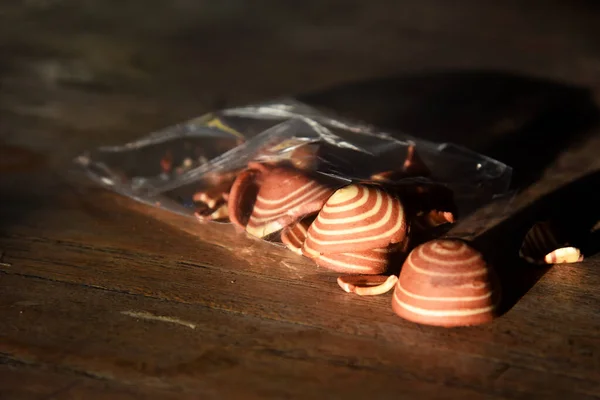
point(230, 165)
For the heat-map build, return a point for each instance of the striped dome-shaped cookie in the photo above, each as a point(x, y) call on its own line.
point(368, 262)
point(446, 282)
point(293, 236)
point(357, 218)
point(284, 195)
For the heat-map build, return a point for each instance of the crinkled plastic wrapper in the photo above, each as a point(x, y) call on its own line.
point(283, 171)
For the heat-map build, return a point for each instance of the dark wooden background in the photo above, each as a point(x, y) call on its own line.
point(101, 297)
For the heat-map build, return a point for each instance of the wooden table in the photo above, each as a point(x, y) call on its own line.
point(101, 297)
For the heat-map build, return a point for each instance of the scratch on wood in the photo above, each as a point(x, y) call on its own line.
point(289, 266)
point(152, 317)
point(292, 268)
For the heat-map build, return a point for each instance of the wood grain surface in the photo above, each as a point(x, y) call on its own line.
point(104, 298)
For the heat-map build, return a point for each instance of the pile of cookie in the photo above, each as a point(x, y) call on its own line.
point(364, 230)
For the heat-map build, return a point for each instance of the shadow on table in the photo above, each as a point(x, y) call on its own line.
point(573, 208)
point(17, 164)
point(520, 120)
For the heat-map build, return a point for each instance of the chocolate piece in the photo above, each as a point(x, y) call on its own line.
point(357, 218)
point(242, 196)
point(305, 157)
point(368, 262)
point(166, 163)
point(447, 283)
point(432, 219)
point(211, 201)
point(212, 198)
point(387, 176)
point(266, 198)
point(218, 214)
point(564, 255)
point(413, 166)
point(294, 235)
point(284, 196)
point(368, 285)
point(544, 245)
point(436, 218)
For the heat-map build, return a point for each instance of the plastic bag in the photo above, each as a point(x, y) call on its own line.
point(190, 168)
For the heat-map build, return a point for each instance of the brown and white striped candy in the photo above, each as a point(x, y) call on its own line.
point(357, 218)
point(564, 255)
point(294, 235)
point(242, 196)
point(446, 282)
point(542, 245)
point(367, 262)
point(283, 196)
